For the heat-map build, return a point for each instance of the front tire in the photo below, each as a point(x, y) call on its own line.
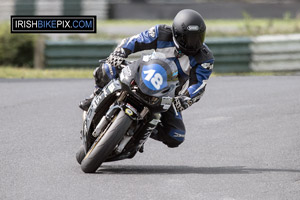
point(100, 150)
point(80, 154)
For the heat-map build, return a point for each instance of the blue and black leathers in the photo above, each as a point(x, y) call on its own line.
point(194, 71)
point(193, 68)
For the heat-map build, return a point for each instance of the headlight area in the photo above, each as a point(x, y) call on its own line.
point(149, 99)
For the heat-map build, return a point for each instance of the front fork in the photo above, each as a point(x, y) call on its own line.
point(148, 129)
point(84, 115)
point(130, 133)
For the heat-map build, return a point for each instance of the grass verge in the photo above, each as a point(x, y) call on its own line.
point(247, 26)
point(27, 73)
point(279, 73)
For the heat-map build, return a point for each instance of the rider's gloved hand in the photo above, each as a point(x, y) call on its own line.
point(117, 57)
point(182, 102)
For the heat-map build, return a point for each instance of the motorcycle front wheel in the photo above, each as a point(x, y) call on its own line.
point(105, 144)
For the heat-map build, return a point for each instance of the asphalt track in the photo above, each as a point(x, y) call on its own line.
point(242, 142)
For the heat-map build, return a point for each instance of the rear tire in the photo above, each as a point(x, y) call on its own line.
point(101, 150)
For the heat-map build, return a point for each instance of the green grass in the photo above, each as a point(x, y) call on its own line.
point(29, 73)
point(13, 72)
point(254, 74)
point(137, 22)
point(252, 27)
point(215, 28)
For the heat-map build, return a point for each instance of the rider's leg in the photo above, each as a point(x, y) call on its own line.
point(171, 130)
point(102, 74)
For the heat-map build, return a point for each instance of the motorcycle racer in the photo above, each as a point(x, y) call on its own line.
point(183, 43)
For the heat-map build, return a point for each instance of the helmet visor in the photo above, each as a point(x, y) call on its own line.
point(190, 43)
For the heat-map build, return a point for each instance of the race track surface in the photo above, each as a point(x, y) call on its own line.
point(242, 142)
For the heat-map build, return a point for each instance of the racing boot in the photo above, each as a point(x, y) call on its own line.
point(86, 103)
point(154, 135)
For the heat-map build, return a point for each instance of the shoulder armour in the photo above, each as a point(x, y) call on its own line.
point(165, 33)
point(204, 55)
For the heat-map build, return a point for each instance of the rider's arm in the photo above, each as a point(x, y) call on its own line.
point(142, 41)
point(199, 76)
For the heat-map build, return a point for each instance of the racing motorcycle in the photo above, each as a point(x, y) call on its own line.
point(126, 111)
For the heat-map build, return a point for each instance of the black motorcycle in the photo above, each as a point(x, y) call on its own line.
point(124, 114)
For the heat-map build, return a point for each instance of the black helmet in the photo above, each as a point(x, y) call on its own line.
point(188, 31)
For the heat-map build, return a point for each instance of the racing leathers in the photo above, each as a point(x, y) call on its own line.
point(193, 73)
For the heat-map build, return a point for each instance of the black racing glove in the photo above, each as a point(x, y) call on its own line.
point(116, 57)
point(182, 102)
